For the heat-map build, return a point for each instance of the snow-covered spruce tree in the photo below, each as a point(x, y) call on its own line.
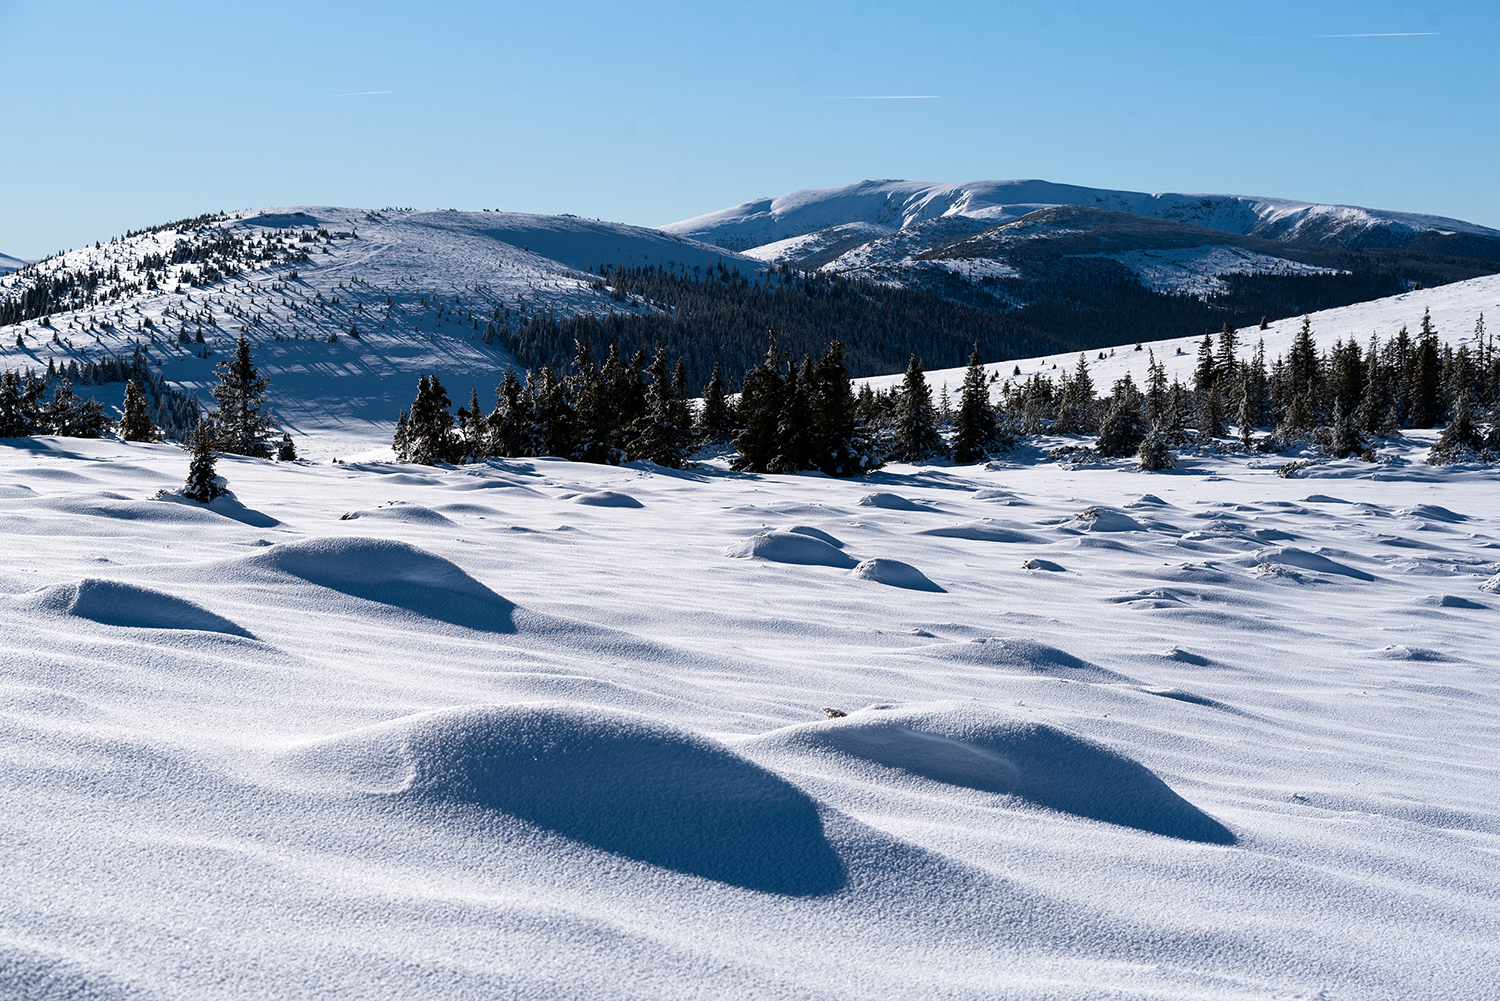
point(241, 420)
point(428, 437)
point(19, 403)
point(203, 482)
point(512, 424)
point(70, 415)
point(135, 421)
point(661, 435)
point(1461, 440)
point(1154, 454)
point(915, 424)
point(1123, 427)
point(795, 431)
point(1211, 415)
point(974, 431)
point(1343, 438)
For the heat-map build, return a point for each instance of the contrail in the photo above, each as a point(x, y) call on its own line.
point(361, 93)
point(886, 97)
point(1381, 34)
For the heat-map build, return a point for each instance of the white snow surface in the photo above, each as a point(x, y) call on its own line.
point(532, 729)
point(897, 204)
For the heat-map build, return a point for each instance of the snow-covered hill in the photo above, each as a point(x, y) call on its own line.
point(422, 289)
point(8, 263)
point(899, 204)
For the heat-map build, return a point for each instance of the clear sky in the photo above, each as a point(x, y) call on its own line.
point(120, 114)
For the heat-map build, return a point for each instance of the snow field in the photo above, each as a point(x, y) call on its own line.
point(535, 729)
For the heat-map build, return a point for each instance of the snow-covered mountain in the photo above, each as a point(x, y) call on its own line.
point(8, 263)
point(983, 241)
point(894, 205)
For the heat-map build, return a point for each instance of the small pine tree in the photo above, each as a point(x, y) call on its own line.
point(203, 482)
point(286, 449)
point(715, 423)
point(975, 430)
point(242, 422)
point(916, 433)
point(135, 421)
point(1154, 454)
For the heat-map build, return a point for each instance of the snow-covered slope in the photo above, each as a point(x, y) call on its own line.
point(1455, 310)
point(898, 204)
point(539, 730)
point(8, 263)
point(422, 288)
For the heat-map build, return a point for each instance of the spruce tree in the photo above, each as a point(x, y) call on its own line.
point(286, 449)
point(241, 420)
point(1206, 373)
point(662, 435)
point(1424, 380)
point(512, 423)
point(916, 433)
point(795, 446)
point(135, 421)
point(429, 437)
point(203, 482)
point(715, 422)
point(1122, 429)
point(761, 401)
point(840, 446)
point(975, 429)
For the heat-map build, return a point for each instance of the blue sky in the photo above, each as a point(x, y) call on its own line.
point(122, 115)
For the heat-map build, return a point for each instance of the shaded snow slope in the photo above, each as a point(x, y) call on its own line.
point(8, 263)
point(899, 204)
point(1206, 733)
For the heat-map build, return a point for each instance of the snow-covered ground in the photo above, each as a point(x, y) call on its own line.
point(532, 729)
point(8, 263)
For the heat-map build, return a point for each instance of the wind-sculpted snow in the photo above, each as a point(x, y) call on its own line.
point(618, 782)
point(606, 498)
point(790, 547)
point(990, 752)
point(113, 603)
point(894, 573)
point(392, 573)
point(480, 740)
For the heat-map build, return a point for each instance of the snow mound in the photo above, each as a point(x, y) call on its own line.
point(1289, 556)
point(1039, 564)
point(1433, 512)
point(606, 498)
point(790, 547)
point(891, 502)
point(983, 530)
point(405, 514)
point(1026, 656)
point(112, 603)
point(1102, 519)
point(896, 574)
point(616, 781)
point(392, 573)
point(982, 749)
point(1448, 601)
point(816, 533)
point(31, 974)
point(1492, 585)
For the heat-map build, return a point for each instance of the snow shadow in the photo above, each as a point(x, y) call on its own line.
point(392, 573)
point(618, 782)
point(894, 573)
point(112, 603)
point(989, 752)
